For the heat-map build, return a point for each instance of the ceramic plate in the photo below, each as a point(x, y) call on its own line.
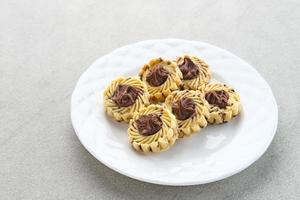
point(215, 153)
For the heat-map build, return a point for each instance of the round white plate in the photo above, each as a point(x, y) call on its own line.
point(215, 153)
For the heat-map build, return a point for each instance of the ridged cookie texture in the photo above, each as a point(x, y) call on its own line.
point(201, 78)
point(118, 112)
point(226, 112)
point(198, 119)
point(172, 82)
point(159, 141)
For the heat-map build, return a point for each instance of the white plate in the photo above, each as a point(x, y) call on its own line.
point(215, 153)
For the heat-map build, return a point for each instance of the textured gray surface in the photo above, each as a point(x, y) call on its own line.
point(46, 45)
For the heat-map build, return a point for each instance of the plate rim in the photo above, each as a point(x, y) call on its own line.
point(182, 183)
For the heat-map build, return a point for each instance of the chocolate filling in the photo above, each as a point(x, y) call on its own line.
point(218, 98)
point(189, 69)
point(149, 124)
point(157, 76)
point(184, 108)
point(125, 95)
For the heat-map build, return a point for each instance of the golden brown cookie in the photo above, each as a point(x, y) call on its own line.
point(125, 96)
point(153, 129)
point(224, 102)
point(161, 77)
point(195, 72)
point(190, 110)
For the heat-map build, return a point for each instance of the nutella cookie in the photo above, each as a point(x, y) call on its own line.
point(190, 110)
point(125, 96)
point(224, 102)
point(161, 77)
point(153, 129)
point(195, 72)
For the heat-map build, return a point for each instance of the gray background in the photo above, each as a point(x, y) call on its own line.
point(46, 45)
